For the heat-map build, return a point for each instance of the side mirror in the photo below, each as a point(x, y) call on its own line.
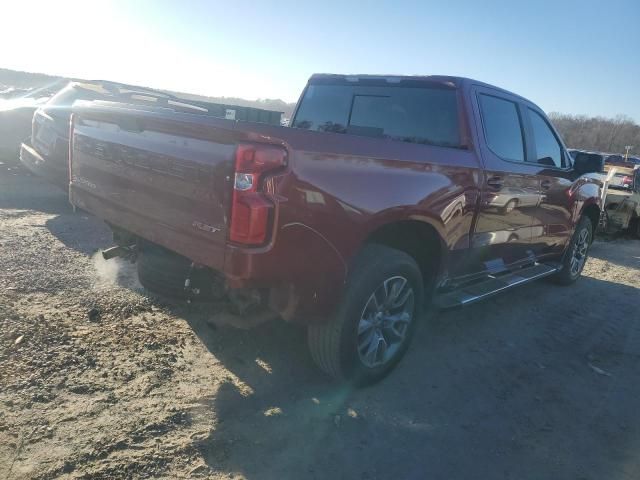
point(548, 161)
point(588, 163)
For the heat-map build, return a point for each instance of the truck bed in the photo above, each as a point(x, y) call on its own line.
point(164, 177)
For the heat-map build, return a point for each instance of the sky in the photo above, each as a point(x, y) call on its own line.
point(570, 56)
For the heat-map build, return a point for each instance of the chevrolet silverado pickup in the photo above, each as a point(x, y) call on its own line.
point(384, 195)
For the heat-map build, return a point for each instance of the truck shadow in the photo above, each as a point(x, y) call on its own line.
point(80, 231)
point(509, 385)
point(20, 190)
point(508, 382)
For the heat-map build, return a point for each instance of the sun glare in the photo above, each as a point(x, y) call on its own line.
point(103, 40)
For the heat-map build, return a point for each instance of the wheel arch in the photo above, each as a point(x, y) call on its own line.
point(417, 238)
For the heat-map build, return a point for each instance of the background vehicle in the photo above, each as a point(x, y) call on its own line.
point(622, 179)
point(622, 203)
point(16, 111)
point(621, 160)
point(7, 92)
point(510, 198)
point(47, 154)
point(349, 220)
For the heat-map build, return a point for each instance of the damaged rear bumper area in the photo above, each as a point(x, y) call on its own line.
point(281, 280)
point(173, 276)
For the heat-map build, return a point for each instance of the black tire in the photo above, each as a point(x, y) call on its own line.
point(566, 276)
point(334, 345)
point(164, 273)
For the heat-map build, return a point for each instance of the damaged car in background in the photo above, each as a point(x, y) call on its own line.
point(622, 200)
point(17, 107)
point(47, 152)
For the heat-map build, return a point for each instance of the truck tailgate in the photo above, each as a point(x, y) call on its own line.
point(162, 176)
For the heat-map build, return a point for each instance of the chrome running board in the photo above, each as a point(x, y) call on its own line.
point(492, 285)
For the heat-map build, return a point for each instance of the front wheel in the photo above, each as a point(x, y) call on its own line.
point(576, 255)
point(376, 319)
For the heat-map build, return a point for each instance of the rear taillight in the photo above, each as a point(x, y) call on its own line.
point(627, 181)
point(251, 209)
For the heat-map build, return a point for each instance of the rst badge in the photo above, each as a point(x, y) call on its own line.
point(204, 227)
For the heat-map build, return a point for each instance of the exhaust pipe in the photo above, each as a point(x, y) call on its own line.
point(117, 251)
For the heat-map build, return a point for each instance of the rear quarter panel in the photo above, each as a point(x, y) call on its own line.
point(340, 189)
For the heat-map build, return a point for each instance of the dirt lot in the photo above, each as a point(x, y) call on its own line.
point(100, 380)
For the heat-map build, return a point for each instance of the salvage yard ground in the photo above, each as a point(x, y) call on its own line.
point(100, 380)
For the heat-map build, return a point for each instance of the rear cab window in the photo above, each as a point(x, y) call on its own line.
point(425, 114)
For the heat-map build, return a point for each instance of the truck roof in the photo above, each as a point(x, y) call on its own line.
point(447, 80)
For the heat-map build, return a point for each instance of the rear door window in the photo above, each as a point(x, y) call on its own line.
point(427, 115)
point(547, 146)
point(502, 127)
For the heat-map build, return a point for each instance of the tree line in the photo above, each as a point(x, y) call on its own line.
point(598, 134)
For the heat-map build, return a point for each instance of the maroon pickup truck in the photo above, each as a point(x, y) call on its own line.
point(385, 195)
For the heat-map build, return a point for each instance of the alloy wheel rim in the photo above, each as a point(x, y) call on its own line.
point(384, 322)
point(579, 256)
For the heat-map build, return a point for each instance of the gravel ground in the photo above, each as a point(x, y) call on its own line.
point(100, 380)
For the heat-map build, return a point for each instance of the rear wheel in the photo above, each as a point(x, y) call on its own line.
point(376, 319)
point(576, 255)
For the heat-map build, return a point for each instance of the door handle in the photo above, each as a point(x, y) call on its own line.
point(496, 183)
point(545, 184)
